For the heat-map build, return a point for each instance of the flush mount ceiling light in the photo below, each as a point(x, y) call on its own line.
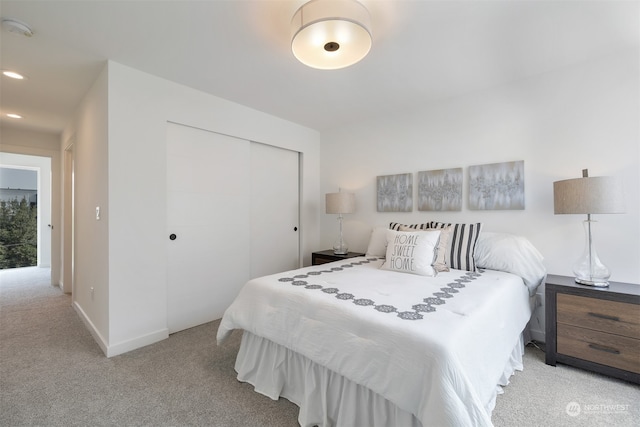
point(331, 34)
point(14, 116)
point(15, 26)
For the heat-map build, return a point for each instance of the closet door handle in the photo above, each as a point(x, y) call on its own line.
point(172, 236)
point(295, 228)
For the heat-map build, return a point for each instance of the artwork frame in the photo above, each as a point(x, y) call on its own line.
point(395, 193)
point(440, 190)
point(497, 186)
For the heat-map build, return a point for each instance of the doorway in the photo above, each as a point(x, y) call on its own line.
point(68, 209)
point(18, 217)
point(42, 166)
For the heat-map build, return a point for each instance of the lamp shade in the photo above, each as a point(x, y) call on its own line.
point(590, 195)
point(340, 203)
point(331, 34)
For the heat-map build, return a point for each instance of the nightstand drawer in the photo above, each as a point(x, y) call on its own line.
point(318, 260)
point(599, 347)
point(593, 328)
point(323, 257)
point(606, 316)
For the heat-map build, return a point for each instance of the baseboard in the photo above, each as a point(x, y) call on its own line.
point(62, 288)
point(537, 335)
point(138, 342)
point(94, 331)
point(125, 346)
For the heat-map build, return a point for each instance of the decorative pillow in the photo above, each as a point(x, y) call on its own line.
point(411, 252)
point(378, 242)
point(396, 226)
point(513, 254)
point(440, 262)
point(462, 244)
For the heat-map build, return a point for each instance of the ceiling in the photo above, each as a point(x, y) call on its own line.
point(423, 51)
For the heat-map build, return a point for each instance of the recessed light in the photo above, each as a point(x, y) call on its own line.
point(13, 74)
point(18, 27)
point(14, 116)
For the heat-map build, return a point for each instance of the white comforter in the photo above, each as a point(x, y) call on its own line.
point(434, 346)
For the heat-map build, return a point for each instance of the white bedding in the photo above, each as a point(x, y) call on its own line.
point(434, 346)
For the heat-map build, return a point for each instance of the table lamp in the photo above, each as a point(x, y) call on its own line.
point(340, 203)
point(589, 195)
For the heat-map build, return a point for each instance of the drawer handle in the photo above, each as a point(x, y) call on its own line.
point(604, 348)
point(604, 316)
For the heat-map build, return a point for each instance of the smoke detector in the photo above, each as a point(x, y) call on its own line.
point(18, 27)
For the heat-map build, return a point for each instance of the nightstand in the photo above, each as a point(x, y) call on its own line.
point(597, 329)
point(323, 257)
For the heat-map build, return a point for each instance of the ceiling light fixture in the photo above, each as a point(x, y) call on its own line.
point(331, 34)
point(14, 116)
point(18, 27)
point(13, 74)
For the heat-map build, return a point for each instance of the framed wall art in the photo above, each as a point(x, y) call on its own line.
point(440, 190)
point(395, 193)
point(497, 186)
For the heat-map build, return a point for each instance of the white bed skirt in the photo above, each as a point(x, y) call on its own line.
point(327, 399)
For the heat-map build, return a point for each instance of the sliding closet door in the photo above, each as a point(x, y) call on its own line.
point(208, 206)
point(274, 210)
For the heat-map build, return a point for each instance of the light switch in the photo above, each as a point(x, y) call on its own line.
point(97, 213)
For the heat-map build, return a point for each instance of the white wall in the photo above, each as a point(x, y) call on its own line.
point(585, 116)
point(131, 192)
point(91, 280)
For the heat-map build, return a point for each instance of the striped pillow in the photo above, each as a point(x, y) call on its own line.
point(396, 226)
point(462, 244)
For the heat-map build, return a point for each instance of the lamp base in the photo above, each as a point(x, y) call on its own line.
point(340, 246)
point(588, 269)
point(595, 283)
point(340, 250)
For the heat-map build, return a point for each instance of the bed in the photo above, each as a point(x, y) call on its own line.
point(363, 342)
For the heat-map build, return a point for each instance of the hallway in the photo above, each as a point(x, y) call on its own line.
point(24, 277)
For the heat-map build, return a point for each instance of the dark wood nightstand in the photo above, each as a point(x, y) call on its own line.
point(323, 257)
point(597, 329)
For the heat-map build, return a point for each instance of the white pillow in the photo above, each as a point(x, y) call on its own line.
point(440, 261)
point(513, 254)
point(377, 243)
point(411, 252)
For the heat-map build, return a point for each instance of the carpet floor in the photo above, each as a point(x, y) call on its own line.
point(52, 373)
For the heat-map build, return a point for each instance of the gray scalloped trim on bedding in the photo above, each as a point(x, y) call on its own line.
point(427, 305)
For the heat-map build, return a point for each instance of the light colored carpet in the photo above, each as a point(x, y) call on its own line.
point(52, 373)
